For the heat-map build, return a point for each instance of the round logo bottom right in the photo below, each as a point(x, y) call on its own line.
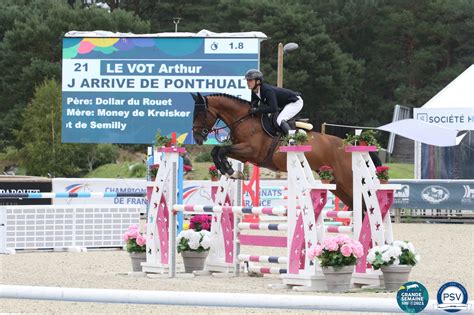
point(412, 297)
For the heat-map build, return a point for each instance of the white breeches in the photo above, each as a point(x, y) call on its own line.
point(290, 110)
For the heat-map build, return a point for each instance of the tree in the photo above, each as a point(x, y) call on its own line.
point(43, 153)
point(31, 48)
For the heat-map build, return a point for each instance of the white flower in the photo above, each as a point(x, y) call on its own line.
point(206, 242)
point(399, 243)
point(411, 248)
point(375, 249)
point(395, 251)
point(384, 248)
point(396, 262)
point(386, 256)
point(371, 256)
point(193, 244)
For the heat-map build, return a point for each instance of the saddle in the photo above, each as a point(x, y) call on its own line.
point(269, 124)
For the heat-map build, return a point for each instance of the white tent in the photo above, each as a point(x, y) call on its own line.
point(439, 121)
point(452, 107)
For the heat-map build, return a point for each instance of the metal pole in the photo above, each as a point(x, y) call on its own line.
point(279, 81)
point(280, 66)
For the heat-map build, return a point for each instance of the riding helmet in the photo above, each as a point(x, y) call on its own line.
point(254, 74)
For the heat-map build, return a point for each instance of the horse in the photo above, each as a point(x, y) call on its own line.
point(250, 143)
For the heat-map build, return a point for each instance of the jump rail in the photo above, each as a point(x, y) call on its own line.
point(208, 299)
point(51, 195)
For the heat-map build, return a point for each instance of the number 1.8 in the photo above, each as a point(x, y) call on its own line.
point(239, 45)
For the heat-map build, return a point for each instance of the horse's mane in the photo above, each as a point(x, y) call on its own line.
point(231, 97)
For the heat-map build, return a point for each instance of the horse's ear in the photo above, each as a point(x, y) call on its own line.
point(194, 96)
point(200, 98)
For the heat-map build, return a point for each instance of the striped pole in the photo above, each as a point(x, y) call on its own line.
point(58, 195)
point(337, 214)
point(233, 209)
point(263, 258)
point(339, 229)
point(263, 226)
point(267, 270)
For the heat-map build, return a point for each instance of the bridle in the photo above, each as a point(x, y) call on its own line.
point(203, 108)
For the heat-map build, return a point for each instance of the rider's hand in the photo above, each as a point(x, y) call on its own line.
point(253, 110)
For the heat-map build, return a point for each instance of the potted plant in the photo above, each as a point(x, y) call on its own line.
point(298, 138)
point(214, 173)
point(395, 261)
point(366, 138)
point(153, 169)
point(325, 173)
point(337, 257)
point(200, 222)
point(382, 174)
point(194, 247)
point(160, 140)
point(136, 246)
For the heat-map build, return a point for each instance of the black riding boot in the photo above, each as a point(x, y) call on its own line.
point(285, 127)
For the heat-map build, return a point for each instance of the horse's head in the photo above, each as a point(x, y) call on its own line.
point(203, 120)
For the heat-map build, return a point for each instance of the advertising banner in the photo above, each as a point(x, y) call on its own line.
point(434, 194)
point(125, 89)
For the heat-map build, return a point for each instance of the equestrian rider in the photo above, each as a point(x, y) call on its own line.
point(272, 99)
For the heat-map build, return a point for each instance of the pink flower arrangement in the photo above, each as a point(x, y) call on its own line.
point(382, 172)
point(200, 222)
point(337, 252)
point(135, 240)
point(213, 171)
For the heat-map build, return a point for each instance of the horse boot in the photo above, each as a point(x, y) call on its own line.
point(285, 127)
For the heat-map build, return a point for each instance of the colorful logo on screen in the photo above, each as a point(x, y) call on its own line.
point(74, 46)
point(74, 188)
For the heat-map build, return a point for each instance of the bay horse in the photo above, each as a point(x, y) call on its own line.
point(250, 143)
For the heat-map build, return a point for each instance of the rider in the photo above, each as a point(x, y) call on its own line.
point(273, 99)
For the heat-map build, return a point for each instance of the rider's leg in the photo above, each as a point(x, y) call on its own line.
point(289, 112)
point(285, 127)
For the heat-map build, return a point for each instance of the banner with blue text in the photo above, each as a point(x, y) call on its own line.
point(125, 89)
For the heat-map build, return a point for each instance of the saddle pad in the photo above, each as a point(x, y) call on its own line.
point(304, 125)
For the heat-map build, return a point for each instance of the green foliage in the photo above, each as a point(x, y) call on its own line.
point(42, 152)
point(161, 140)
point(138, 171)
point(204, 157)
point(298, 138)
point(369, 136)
point(31, 35)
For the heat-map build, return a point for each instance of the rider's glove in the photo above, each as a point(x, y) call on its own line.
point(253, 110)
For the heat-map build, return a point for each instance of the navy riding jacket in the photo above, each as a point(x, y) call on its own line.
point(273, 98)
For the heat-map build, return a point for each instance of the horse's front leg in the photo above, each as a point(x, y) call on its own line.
point(225, 166)
point(216, 158)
